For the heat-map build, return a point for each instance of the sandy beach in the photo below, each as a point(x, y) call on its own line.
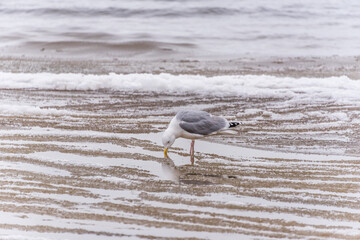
point(90, 165)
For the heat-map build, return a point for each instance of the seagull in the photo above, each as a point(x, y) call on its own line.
point(194, 125)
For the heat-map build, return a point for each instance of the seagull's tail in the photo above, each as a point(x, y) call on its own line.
point(230, 131)
point(233, 124)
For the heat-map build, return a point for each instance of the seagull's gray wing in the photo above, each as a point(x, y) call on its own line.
point(199, 122)
point(192, 116)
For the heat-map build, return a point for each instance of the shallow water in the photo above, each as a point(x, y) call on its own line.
point(90, 165)
point(179, 29)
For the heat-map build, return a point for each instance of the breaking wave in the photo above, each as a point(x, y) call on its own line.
point(339, 89)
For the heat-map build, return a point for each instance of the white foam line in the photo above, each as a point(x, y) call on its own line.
point(302, 89)
point(25, 109)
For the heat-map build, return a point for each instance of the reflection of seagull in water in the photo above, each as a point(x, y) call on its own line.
point(194, 125)
point(170, 171)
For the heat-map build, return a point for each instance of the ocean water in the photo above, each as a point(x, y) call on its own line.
point(179, 29)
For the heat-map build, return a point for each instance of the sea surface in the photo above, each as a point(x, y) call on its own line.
point(179, 29)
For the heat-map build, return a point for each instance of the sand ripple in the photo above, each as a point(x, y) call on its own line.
point(89, 165)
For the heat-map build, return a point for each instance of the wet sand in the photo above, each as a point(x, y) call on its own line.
point(276, 66)
point(90, 165)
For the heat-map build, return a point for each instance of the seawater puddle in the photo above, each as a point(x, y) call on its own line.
point(267, 215)
point(152, 167)
point(34, 168)
point(237, 152)
point(92, 174)
point(251, 156)
point(201, 147)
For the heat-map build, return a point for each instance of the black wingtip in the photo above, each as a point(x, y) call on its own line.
point(233, 124)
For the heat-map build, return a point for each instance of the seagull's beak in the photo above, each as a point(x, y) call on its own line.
point(165, 152)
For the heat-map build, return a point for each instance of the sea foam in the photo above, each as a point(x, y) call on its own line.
point(340, 89)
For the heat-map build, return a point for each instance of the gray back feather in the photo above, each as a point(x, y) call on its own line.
point(192, 116)
point(200, 122)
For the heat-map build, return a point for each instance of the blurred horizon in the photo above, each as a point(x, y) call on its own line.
point(179, 29)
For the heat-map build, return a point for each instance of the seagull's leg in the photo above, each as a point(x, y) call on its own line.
point(192, 147)
point(192, 151)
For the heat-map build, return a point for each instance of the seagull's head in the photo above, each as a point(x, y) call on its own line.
point(168, 139)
